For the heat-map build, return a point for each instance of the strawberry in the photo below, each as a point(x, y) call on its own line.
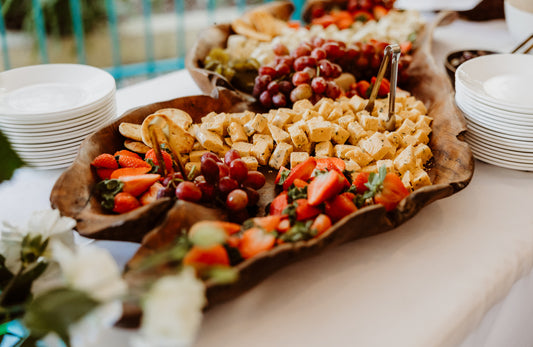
point(104, 174)
point(166, 157)
point(384, 87)
point(392, 193)
point(125, 202)
point(360, 182)
point(278, 204)
point(126, 153)
point(283, 171)
point(321, 224)
point(130, 171)
point(302, 171)
point(269, 223)
point(379, 11)
point(284, 225)
point(331, 163)
point(363, 89)
point(255, 241)
point(340, 206)
point(136, 185)
point(151, 194)
point(298, 183)
point(304, 211)
point(406, 47)
point(128, 161)
point(324, 187)
point(198, 256)
point(105, 161)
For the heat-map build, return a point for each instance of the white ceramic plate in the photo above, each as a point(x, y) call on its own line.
point(48, 153)
point(487, 142)
point(497, 134)
point(53, 90)
point(60, 125)
point(500, 79)
point(502, 127)
point(502, 163)
point(49, 146)
point(51, 161)
point(526, 158)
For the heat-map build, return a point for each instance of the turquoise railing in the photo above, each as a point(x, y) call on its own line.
point(119, 70)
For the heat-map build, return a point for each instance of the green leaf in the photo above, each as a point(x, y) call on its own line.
point(283, 176)
point(222, 274)
point(299, 232)
point(294, 193)
point(56, 310)
point(18, 290)
point(10, 159)
point(106, 190)
point(208, 236)
point(5, 274)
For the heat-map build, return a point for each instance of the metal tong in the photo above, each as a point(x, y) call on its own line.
point(392, 53)
point(155, 130)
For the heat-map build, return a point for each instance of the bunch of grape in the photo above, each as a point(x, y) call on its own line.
point(367, 5)
point(227, 182)
point(310, 70)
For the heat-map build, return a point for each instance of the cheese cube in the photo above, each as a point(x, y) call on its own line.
point(360, 157)
point(279, 135)
point(422, 154)
point(320, 131)
point(302, 105)
point(406, 160)
point(352, 166)
point(298, 137)
point(340, 135)
point(236, 132)
point(412, 115)
point(406, 180)
point(376, 145)
point(422, 119)
point(336, 113)
point(196, 155)
point(197, 146)
point(308, 148)
point(357, 103)
point(420, 179)
point(208, 117)
point(309, 114)
point(264, 138)
point(394, 138)
point(356, 132)
point(227, 141)
point(209, 140)
point(370, 168)
point(216, 124)
point(323, 149)
point(407, 128)
point(261, 150)
point(422, 126)
point(192, 168)
point(281, 118)
point(281, 155)
point(242, 118)
point(369, 122)
point(244, 148)
point(251, 163)
point(324, 107)
point(256, 124)
point(419, 106)
point(345, 120)
point(341, 150)
point(298, 157)
point(388, 163)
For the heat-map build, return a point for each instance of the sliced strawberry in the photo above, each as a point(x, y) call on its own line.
point(321, 224)
point(379, 11)
point(331, 163)
point(363, 89)
point(130, 171)
point(284, 225)
point(362, 16)
point(198, 256)
point(302, 171)
point(255, 241)
point(166, 157)
point(151, 194)
point(392, 193)
point(278, 204)
point(105, 161)
point(125, 202)
point(360, 182)
point(269, 223)
point(304, 211)
point(324, 187)
point(128, 161)
point(280, 174)
point(136, 185)
point(126, 153)
point(340, 206)
point(298, 183)
point(104, 174)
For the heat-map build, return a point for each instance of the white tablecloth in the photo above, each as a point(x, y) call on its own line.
point(456, 274)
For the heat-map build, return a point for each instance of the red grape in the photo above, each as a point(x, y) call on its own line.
point(255, 180)
point(300, 77)
point(267, 70)
point(367, 49)
point(210, 170)
point(326, 68)
point(303, 62)
point(282, 69)
point(319, 85)
point(336, 71)
point(301, 51)
point(273, 87)
point(171, 178)
point(280, 49)
point(237, 200)
point(223, 170)
point(333, 50)
point(253, 196)
point(318, 54)
point(333, 91)
point(208, 191)
point(210, 155)
point(285, 87)
point(279, 100)
point(238, 170)
point(230, 156)
point(226, 185)
point(318, 41)
point(188, 191)
point(265, 98)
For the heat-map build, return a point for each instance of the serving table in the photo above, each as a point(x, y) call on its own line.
point(458, 274)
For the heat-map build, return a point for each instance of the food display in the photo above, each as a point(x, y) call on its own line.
point(253, 184)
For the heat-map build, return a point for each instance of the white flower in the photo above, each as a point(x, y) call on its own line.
point(47, 223)
point(90, 269)
point(172, 311)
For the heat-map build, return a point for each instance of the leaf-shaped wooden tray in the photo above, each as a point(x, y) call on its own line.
point(452, 170)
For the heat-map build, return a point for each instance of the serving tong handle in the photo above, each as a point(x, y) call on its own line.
point(530, 38)
point(392, 52)
point(156, 145)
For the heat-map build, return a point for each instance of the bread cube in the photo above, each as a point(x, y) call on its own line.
point(281, 155)
point(298, 157)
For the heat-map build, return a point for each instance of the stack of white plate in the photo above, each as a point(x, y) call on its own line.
point(46, 111)
point(495, 93)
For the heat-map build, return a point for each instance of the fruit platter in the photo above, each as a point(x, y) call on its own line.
point(274, 168)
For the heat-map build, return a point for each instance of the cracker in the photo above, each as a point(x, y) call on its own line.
point(136, 146)
point(130, 130)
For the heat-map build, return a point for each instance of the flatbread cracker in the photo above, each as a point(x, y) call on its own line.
point(136, 146)
point(130, 130)
point(179, 140)
point(181, 118)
